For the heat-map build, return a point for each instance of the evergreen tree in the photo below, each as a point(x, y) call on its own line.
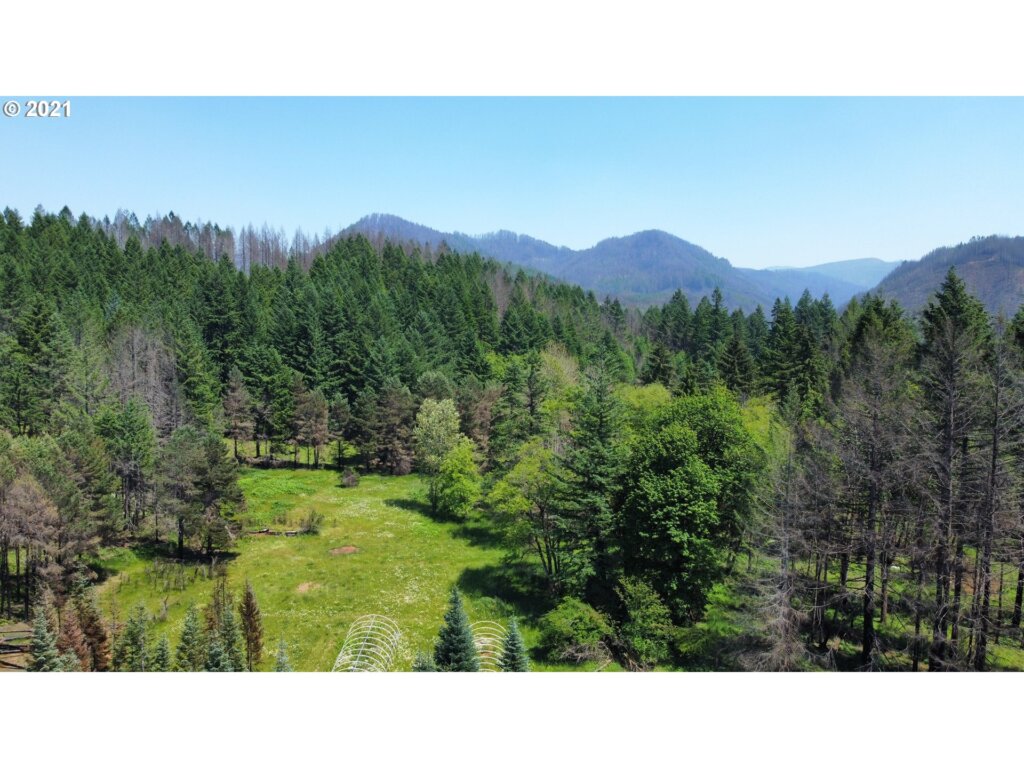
point(252, 627)
point(238, 410)
point(588, 479)
point(736, 365)
point(191, 653)
point(230, 638)
point(43, 646)
point(217, 659)
point(71, 639)
point(130, 654)
point(455, 650)
point(513, 653)
point(424, 662)
point(161, 656)
point(281, 663)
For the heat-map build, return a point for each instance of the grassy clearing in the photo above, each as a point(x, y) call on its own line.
point(403, 567)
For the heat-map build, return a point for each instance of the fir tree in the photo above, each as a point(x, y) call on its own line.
point(72, 640)
point(252, 627)
point(424, 663)
point(130, 650)
point(513, 653)
point(161, 656)
point(217, 659)
point(455, 650)
point(191, 653)
point(43, 646)
point(281, 663)
point(231, 641)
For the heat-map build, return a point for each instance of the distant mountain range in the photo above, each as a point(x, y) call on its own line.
point(992, 267)
point(646, 267)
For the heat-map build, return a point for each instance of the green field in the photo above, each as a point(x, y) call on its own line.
point(404, 566)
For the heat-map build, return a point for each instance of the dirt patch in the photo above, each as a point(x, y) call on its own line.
point(348, 549)
point(305, 586)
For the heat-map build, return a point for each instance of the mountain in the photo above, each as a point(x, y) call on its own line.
point(992, 267)
point(866, 273)
point(643, 268)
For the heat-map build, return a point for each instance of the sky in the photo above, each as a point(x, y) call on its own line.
point(759, 181)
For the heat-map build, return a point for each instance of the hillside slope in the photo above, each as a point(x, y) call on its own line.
point(992, 267)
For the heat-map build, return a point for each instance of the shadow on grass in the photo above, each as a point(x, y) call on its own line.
point(520, 585)
point(166, 552)
point(474, 529)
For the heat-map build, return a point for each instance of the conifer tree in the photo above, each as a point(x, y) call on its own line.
point(424, 662)
point(217, 659)
point(71, 639)
point(191, 653)
point(95, 633)
point(43, 646)
point(281, 663)
point(513, 653)
point(252, 627)
point(161, 656)
point(238, 410)
point(130, 654)
point(455, 650)
point(231, 640)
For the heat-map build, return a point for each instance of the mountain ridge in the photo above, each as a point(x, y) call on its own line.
point(641, 268)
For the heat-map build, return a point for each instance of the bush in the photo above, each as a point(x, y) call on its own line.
point(350, 479)
point(311, 522)
point(574, 631)
point(648, 628)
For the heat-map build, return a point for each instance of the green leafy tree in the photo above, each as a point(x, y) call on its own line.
point(647, 629)
point(435, 434)
point(455, 650)
point(457, 482)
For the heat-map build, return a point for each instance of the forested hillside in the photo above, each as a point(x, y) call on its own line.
point(992, 268)
point(690, 487)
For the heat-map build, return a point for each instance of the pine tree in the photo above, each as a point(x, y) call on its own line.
point(72, 640)
point(130, 651)
point(217, 659)
point(95, 633)
point(231, 641)
point(455, 650)
point(161, 656)
point(238, 410)
point(252, 627)
point(424, 663)
point(191, 653)
point(281, 663)
point(513, 653)
point(43, 646)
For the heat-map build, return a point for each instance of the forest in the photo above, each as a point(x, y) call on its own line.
point(686, 487)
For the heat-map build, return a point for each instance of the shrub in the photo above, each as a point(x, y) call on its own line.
point(574, 631)
point(648, 628)
point(311, 522)
point(350, 479)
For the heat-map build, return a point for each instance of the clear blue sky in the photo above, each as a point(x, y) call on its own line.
point(759, 181)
